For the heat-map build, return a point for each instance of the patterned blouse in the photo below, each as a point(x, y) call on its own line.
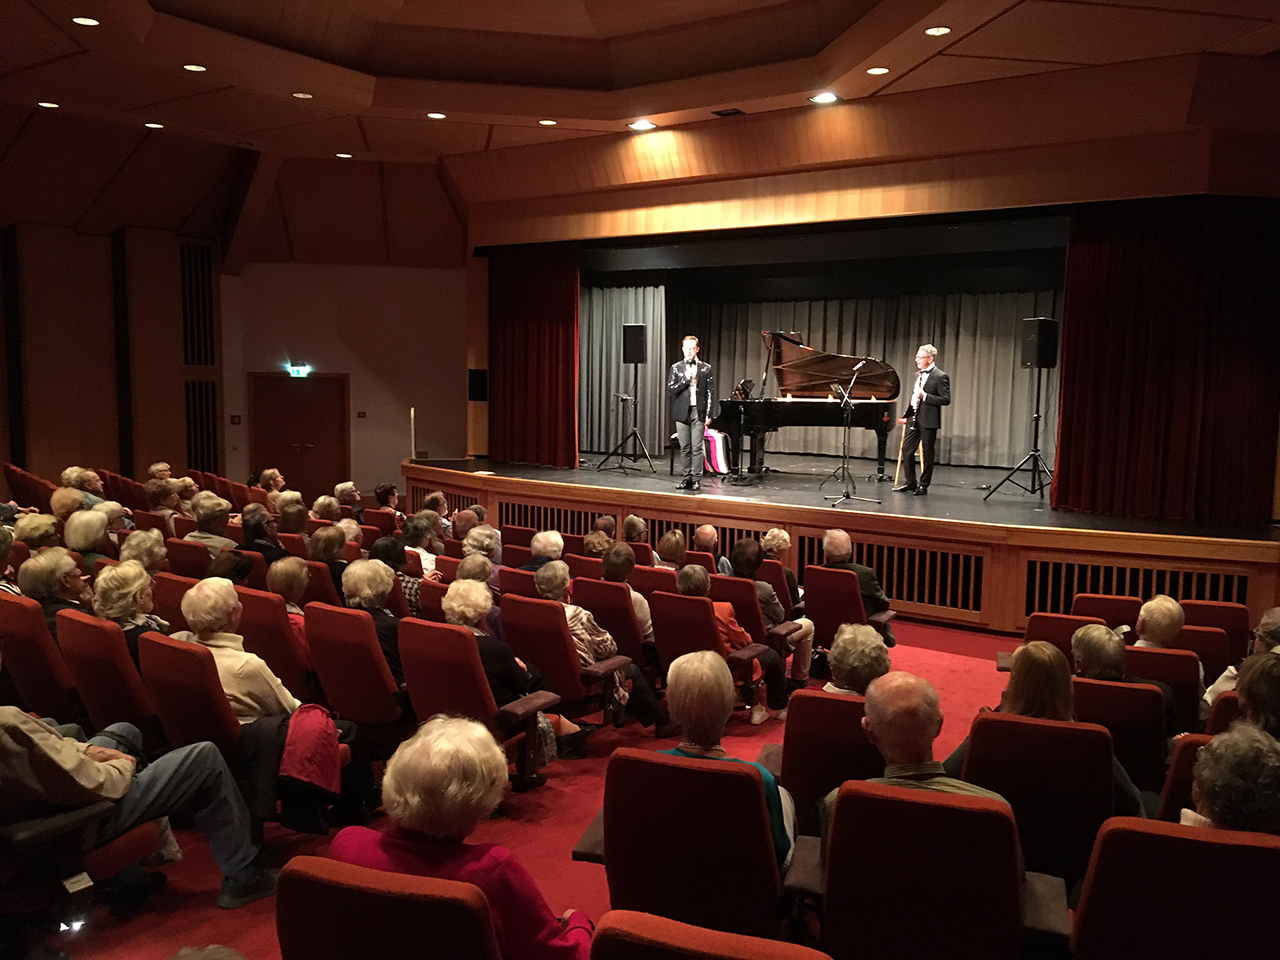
point(595, 644)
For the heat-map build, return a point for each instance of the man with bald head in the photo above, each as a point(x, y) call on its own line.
point(902, 720)
point(837, 552)
point(706, 539)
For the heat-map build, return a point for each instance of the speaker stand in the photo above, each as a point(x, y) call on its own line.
point(1032, 461)
point(633, 437)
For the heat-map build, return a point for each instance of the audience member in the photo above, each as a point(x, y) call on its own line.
point(476, 566)
point(65, 501)
point(595, 543)
point(260, 529)
point(1236, 782)
point(187, 489)
point(390, 550)
point(634, 529)
point(439, 505)
point(8, 576)
point(546, 545)
point(484, 540)
point(271, 480)
point(416, 534)
point(438, 786)
point(837, 552)
point(123, 595)
point(159, 471)
point(479, 510)
point(694, 581)
point(36, 530)
point(1258, 688)
point(1265, 638)
point(162, 499)
point(289, 579)
point(744, 561)
point(86, 534)
point(706, 539)
point(1159, 621)
point(858, 656)
point(606, 525)
point(147, 547)
point(326, 508)
point(389, 499)
point(347, 494)
point(670, 552)
point(281, 500)
point(775, 544)
point(89, 483)
point(619, 561)
point(293, 519)
point(700, 696)
point(44, 773)
point(230, 565)
point(326, 547)
point(118, 519)
point(463, 522)
point(351, 531)
point(595, 644)
point(1098, 652)
point(52, 578)
point(366, 584)
point(212, 515)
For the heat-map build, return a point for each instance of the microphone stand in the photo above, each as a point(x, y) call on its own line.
point(843, 473)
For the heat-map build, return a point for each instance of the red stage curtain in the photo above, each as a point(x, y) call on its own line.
point(533, 354)
point(1170, 396)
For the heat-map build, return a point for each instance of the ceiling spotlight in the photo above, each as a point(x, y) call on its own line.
point(343, 156)
point(154, 126)
point(547, 123)
point(642, 125)
point(435, 116)
point(47, 104)
point(877, 71)
point(302, 96)
point(85, 21)
point(194, 67)
point(827, 97)
point(938, 31)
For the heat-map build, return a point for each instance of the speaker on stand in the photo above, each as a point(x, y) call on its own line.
point(635, 352)
point(1039, 351)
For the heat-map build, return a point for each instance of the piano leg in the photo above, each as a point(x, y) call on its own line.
point(882, 441)
point(757, 453)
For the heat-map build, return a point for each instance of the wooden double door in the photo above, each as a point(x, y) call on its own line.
point(301, 426)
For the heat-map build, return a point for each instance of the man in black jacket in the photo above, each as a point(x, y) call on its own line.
point(690, 386)
point(932, 392)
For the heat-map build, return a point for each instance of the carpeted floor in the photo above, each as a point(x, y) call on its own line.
point(541, 826)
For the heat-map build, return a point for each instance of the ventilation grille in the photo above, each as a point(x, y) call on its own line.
point(202, 424)
point(1052, 584)
point(923, 575)
point(199, 334)
point(545, 518)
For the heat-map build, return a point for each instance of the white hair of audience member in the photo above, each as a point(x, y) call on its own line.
point(289, 577)
point(775, 542)
point(1098, 652)
point(836, 546)
point(187, 488)
point(252, 510)
point(113, 509)
point(31, 528)
point(159, 471)
point(117, 593)
point(700, 696)
point(547, 543)
point(481, 539)
point(344, 490)
point(351, 530)
point(326, 508)
point(84, 530)
point(1236, 780)
point(367, 583)
point(65, 501)
point(858, 655)
point(210, 509)
point(1160, 619)
point(145, 546)
point(467, 602)
point(475, 567)
point(552, 580)
point(39, 576)
point(69, 476)
point(267, 479)
point(211, 606)
point(284, 498)
point(445, 779)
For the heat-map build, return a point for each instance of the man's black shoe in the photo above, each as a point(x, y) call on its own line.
point(905, 488)
point(921, 491)
point(684, 484)
point(697, 485)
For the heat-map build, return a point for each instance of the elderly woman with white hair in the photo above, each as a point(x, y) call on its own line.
point(86, 534)
point(700, 695)
point(351, 530)
point(347, 494)
point(159, 471)
point(271, 480)
point(438, 786)
point(187, 490)
point(280, 499)
point(775, 543)
point(1236, 782)
point(123, 595)
point(326, 508)
point(212, 515)
point(366, 584)
point(147, 547)
point(546, 545)
point(52, 578)
point(857, 656)
point(119, 519)
point(36, 530)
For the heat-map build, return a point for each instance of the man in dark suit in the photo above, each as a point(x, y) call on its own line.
point(690, 386)
point(837, 552)
point(932, 392)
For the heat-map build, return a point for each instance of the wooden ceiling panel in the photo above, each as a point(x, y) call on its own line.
point(945, 71)
point(12, 118)
point(509, 135)
point(209, 217)
point(271, 243)
point(102, 82)
point(237, 113)
point(422, 227)
point(58, 164)
point(1257, 9)
point(164, 180)
point(424, 138)
point(323, 138)
point(1059, 32)
point(334, 211)
point(29, 37)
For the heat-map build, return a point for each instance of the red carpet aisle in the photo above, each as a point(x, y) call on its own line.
point(541, 827)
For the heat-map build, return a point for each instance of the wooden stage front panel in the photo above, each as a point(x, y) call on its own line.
point(985, 575)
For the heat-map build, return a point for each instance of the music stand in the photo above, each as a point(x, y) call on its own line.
point(850, 487)
point(634, 435)
point(1032, 461)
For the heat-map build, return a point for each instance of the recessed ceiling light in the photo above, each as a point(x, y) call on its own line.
point(938, 31)
point(343, 156)
point(877, 71)
point(642, 125)
point(827, 97)
point(154, 126)
point(85, 21)
point(302, 96)
point(547, 123)
point(47, 104)
point(194, 67)
point(435, 116)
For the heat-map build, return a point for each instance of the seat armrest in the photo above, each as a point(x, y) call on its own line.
point(770, 758)
point(784, 629)
point(743, 657)
point(1045, 906)
point(590, 846)
point(1004, 661)
point(882, 618)
point(31, 833)
point(514, 714)
point(806, 877)
point(598, 671)
point(797, 609)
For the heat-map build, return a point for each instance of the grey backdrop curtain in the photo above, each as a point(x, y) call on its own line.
point(978, 337)
point(601, 373)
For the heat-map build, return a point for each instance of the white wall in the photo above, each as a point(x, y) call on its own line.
point(398, 332)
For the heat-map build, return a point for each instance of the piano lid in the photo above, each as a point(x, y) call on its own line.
point(802, 371)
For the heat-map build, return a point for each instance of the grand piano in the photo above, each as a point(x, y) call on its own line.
point(805, 379)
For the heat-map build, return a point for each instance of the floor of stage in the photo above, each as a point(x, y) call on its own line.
point(956, 493)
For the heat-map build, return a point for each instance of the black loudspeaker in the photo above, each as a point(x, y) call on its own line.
point(1040, 342)
point(633, 343)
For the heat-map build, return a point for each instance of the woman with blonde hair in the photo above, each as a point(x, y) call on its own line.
point(670, 552)
point(326, 546)
point(326, 508)
point(147, 547)
point(123, 595)
point(86, 534)
point(36, 530)
point(775, 543)
point(271, 479)
point(65, 501)
point(289, 578)
point(438, 786)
